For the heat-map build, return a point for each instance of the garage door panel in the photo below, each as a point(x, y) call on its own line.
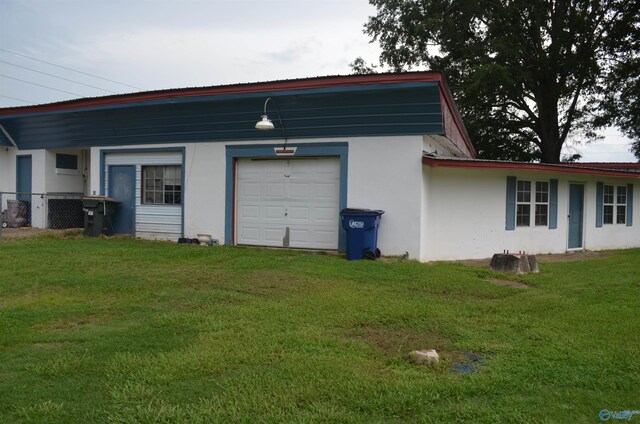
point(249, 211)
point(274, 235)
point(250, 190)
point(326, 190)
point(274, 212)
point(299, 212)
point(299, 237)
point(249, 234)
point(274, 189)
point(300, 195)
point(300, 190)
point(324, 237)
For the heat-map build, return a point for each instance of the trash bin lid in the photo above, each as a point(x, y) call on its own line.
point(100, 199)
point(356, 211)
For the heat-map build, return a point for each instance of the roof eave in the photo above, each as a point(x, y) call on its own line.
point(522, 166)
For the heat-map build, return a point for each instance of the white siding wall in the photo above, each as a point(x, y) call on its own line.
point(465, 216)
point(162, 222)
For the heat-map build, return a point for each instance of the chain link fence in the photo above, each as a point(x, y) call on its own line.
point(52, 211)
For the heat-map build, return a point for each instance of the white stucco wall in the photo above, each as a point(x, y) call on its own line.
point(383, 173)
point(62, 181)
point(5, 165)
point(465, 216)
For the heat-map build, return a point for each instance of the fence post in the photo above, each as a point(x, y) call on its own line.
point(2, 217)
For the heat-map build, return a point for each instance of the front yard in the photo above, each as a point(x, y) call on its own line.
point(126, 331)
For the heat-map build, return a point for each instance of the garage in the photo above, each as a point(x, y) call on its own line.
point(292, 202)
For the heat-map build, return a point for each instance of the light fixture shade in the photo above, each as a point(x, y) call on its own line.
point(265, 124)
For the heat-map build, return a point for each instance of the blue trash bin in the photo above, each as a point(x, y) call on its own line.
point(361, 226)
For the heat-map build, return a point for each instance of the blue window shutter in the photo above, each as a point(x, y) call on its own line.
point(553, 204)
point(629, 205)
point(510, 219)
point(599, 200)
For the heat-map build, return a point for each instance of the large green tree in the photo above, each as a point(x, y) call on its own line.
point(528, 75)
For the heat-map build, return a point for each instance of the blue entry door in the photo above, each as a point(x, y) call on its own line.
point(122, 187)
point(576, 206)
point(23, 176)
point(23, 186)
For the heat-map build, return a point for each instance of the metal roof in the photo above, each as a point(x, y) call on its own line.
point(336, 106)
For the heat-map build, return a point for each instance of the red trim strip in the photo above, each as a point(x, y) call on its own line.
point(233, 202)
point(520, 166)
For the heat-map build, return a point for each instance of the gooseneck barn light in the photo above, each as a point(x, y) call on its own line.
point(265, 123)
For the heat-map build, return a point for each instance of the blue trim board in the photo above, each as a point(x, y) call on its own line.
point(510, 213)
point(599, 203)
point(399, 111)
point(339, 149)
point(553, 204)
point(222, 97)
point(181, 150)
point(629, 205)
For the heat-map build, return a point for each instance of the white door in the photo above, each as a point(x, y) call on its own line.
point(288, 202)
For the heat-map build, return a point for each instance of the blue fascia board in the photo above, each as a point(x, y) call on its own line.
point(401, 111)
point(235, 96)
point(4, 141)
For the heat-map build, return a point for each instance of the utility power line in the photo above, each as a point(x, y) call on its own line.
point(70, 69)
point(15, 98)
point(40, 85)
point(55, 76)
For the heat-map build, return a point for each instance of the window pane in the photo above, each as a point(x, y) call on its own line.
point(523, 215)
point(621, 214)
point(622, 195)
point(524, 191)
point(608, 214)
point(162, 184)
point(542, 192)
point(148, 197)
point(608, 194)
point(541, 214)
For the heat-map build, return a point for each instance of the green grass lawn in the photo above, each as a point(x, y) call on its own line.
point(125, 331)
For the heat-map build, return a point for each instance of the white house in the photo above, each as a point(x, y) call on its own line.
point(191, 161)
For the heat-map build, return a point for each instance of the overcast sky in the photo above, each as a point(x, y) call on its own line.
point(157, 44)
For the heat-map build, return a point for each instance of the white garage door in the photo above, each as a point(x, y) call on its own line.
point(288, 202)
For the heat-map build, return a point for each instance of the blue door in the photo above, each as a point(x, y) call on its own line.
point(23, 185)
point(576, 206)
point(122, 187)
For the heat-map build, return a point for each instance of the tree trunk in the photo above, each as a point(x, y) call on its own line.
point(548, 126)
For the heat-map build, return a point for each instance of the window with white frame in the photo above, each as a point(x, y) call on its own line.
point(528, 201)
point(162, 185)
point(614, 204)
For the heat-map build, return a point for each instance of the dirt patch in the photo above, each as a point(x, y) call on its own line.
point(514, 284)
point(68, 323)
point(51, 345)
point(400, 342)
point(548, 258)
point(30, 233)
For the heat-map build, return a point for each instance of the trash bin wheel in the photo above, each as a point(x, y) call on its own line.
point(370, 255)
point(378, 253)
